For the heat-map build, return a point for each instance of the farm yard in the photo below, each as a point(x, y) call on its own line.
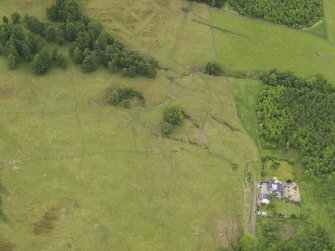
point(78, 173)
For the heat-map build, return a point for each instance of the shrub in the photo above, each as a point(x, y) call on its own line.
point(174, 115)
point(16, 17)
point(167, 128)
point(129, 72)
point(234, 167)
point(275, 165)
point(17, 33)
point(5, 20)
point(41, 63)
point(90, 63)
point(122, 95)
point(34, 25)
point(249, 242)
point(59, 58)
point(78, 56)
point(112, 66)
point(50, 33)
point(213, 69)
point(12, 61)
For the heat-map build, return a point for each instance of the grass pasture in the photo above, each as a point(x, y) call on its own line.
point(286, 208)
point(246, 96)
point(246, 44)
point(329, 10)
point(78, 174)
point(318, 29)
point(281, 207)
point(284, 172)
point(82, 175)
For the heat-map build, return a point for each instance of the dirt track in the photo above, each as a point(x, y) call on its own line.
point(253, 215)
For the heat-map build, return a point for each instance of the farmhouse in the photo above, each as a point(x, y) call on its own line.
point(278, 189)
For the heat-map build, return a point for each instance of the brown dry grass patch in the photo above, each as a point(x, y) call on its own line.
point(47, 223)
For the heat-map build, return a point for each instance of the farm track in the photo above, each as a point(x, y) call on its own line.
point(82, 141)
point(253, 216)
point(219, 28)
point(71, 156)
point(213, 34)
point(211, 26)
point(179, 34)
point(252, 219)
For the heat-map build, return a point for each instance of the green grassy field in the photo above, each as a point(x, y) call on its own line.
point(246, 95)
point(63, 146)
point(282, 207)
point(284, 172)
point(329, 10)
point(248, 44)
point(318, 29)
point(82, 175)
point(79, 174)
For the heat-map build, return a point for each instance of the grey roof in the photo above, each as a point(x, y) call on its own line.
point(276, 187)
point(263, 196)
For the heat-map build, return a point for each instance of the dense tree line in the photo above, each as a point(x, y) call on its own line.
point(293, 13)
point(299, 113)
point(212, 3)
point(48, 31)
point(22, 41)
point(20, 45)
point(92, 46)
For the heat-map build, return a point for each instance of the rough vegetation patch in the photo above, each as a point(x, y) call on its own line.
point(47, 223)
point(123, 95)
